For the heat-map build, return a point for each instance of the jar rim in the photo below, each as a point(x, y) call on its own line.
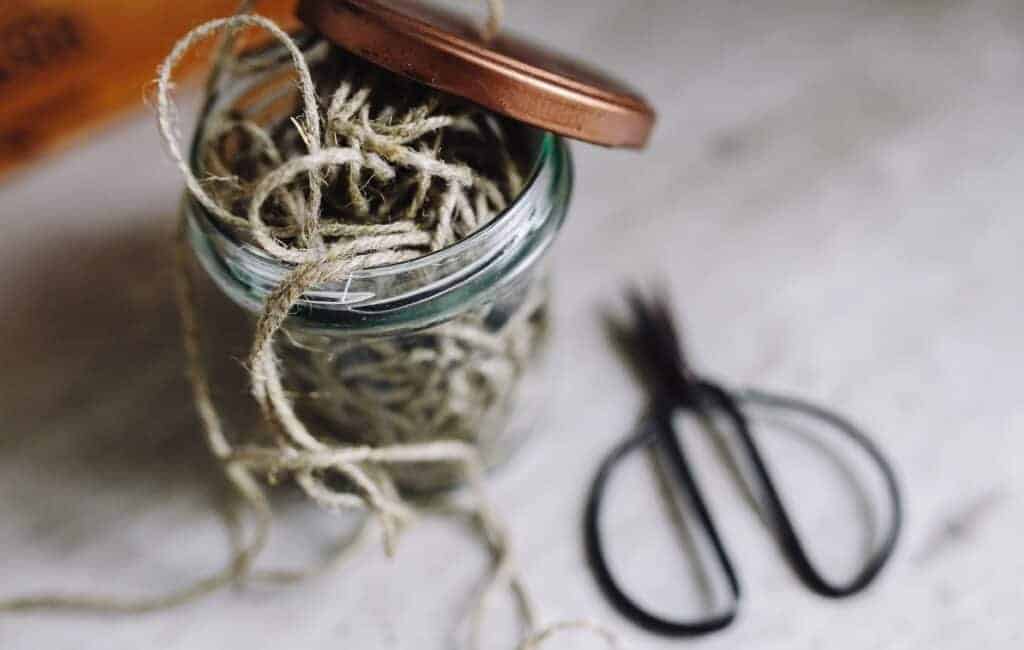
point(546, 148)
point(418, 293)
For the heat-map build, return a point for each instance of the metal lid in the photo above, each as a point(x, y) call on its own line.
point(507, 75)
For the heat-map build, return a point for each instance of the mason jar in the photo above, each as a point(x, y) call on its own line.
point(452, 345)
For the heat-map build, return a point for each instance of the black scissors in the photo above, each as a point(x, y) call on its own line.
point(653, 345)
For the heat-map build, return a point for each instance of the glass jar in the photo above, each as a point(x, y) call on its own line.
point(450, 345)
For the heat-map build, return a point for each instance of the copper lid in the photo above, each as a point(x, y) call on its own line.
point(506, 74)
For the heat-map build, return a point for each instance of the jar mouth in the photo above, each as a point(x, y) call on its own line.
point(417, 292)
point(544, 146)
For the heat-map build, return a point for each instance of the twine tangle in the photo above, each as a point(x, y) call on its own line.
point(341, 149)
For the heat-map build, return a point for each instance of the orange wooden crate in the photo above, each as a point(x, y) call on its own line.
point(68, 65)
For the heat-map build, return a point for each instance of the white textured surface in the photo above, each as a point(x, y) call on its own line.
point(833, 193)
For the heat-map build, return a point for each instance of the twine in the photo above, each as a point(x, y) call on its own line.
point(338, 152)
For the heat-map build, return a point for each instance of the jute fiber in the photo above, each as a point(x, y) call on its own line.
point(356, 180)
point(437, 169)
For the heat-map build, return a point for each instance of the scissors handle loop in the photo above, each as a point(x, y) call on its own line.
point(656, 430)
point(789, 540)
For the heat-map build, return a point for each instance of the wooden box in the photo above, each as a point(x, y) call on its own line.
point(66, 66)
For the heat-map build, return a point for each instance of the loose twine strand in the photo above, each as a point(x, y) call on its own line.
point(495, 16)
point(299, 452)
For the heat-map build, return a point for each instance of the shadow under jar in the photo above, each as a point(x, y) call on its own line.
point(448, 346)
